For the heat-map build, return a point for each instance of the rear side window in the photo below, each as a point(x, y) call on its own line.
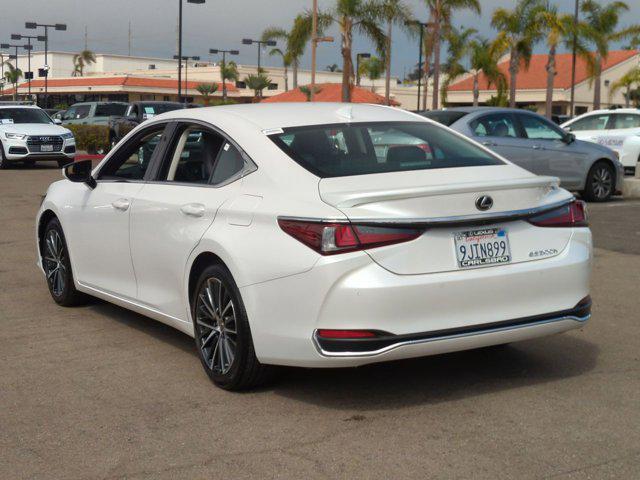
point(110, 109)
point(446, 118)
point(365, 148)
point(625, 120)
point(229, 163)
point(496, 125)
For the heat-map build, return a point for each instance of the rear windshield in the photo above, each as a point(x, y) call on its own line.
point(363, 148)
point(110, 109)
point(446, 118)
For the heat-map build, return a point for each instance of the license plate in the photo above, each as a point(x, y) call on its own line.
point(46, 148)
point(482, 247)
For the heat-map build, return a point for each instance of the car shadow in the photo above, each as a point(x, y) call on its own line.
point(441, 378)
point(398, 384)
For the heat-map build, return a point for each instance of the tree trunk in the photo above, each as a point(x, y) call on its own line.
point(295, 73)
point(387, 66)
point(286, 78)
point(514, 63)
point(436, 61)
point(551, 74)
point(224, 81)
point(627, 101)
point(347, 63)
point(597, 85)
point(427, 64)
point(476, 89)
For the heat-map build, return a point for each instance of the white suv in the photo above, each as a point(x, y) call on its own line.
point(28, 134)
point(617, 129)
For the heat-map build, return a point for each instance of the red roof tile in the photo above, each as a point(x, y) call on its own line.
point(536, 76)
point(330, 92)
point(126, 81)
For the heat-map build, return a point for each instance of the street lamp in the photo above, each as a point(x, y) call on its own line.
point(60, 27)
point(249, 41)
point(358, 57)
point(574, 52)
point(6, 46)
point(40, 38)
point(422, 26)
point(186, 59)
point(216, 51)
point(179, 56)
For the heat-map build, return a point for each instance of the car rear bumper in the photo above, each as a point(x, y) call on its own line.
point(425, 314)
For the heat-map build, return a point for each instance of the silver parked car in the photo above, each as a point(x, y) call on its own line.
point(533, 142)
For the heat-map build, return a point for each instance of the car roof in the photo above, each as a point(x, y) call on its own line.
point(612, 110)
point(19, 106)
point(483, 109)
point(291, 114)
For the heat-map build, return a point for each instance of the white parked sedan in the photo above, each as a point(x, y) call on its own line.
point(285, 234)
point(617, 129)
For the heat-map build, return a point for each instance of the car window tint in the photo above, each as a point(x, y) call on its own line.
point(229, 163)
point(538, 129)
point(626, 120)
point(110, 109)
point(81, 111)
point(497, 125)
point(592, 122)
point(366, 148)
point(132, 161)
point(194, 156)
point(446, 117)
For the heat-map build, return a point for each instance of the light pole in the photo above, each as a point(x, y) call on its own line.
point(186, 59)
point(2, 57)
point(576, 18)
point(39, 38)
point(422, 26)
point(179, 56)
point(216, 51)
point(61, 27)
point(358, 57)
point(5, 46)
point(249, 41)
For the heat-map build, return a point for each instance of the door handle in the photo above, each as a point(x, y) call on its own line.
point(121, 204)
point(193, 209)
point(538, 147)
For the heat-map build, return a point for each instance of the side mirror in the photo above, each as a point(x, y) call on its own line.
point(57, 121)
point(569, 138)
point(80, 172)
point(568, 129)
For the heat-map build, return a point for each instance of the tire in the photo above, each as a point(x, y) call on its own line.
point(223, 341)
point(600, 183)
point(3, 161)
point(57, 267)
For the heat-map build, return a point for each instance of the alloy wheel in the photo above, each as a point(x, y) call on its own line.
point(216, 325)
point(602, 182)
point(54, 265)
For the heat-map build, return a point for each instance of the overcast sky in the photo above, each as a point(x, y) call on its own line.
point(216, 24)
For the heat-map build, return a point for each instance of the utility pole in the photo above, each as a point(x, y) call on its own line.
point(86, 38)
point(129, 38)
point(59, 27)
point(576, 18)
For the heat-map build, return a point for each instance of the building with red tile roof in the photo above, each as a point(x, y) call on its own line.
point(330, 92)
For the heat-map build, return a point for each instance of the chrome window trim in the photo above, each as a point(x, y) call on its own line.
point(324, 353)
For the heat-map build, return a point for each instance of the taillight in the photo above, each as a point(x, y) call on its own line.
point(332, 238)
point(572, 215)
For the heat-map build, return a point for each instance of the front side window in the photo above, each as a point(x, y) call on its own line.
point(132, 161)
point(23, 115)
point(592, 122)
point(625, 120)
point(496, 125)
point(366, 148)
point(538, 129)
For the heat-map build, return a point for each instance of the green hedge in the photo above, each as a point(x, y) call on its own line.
point(91, 138)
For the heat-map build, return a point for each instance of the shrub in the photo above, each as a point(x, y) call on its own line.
point(91, 138)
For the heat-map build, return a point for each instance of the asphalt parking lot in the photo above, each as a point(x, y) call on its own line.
point(99, 392)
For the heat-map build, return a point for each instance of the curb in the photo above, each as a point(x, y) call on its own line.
point(631, 188)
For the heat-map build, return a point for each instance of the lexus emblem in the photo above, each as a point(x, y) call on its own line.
point(483, 203)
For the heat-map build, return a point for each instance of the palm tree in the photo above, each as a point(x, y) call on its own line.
point(627, 81)
point(307, 90)
point(257, 83)
point(398, 13)
point(373, 68)
point(440, 13)
point(81, 60)
point(206, 90)
point(334, 67)
point(519, 31)
point(361, 16)
point(297, 38)
point(483, 58)
point(459, 44)
point(286, 62)
point(602, 23)
point(13, 75)
point(228, 71)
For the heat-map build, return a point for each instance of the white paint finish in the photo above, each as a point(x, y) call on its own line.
point(240, 210)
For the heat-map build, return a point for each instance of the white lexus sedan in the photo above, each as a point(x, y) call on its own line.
point(287, 234)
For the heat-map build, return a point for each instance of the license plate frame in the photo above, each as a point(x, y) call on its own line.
point(46, 148)
point(482, 247)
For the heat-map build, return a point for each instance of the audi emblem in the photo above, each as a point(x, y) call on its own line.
point(483, 203)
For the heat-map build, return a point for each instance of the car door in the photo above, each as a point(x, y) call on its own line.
point(172, 213)
point(622, 127)
point(100, 230)
point(499, 132)
point(552, 154)
point(591, 128)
